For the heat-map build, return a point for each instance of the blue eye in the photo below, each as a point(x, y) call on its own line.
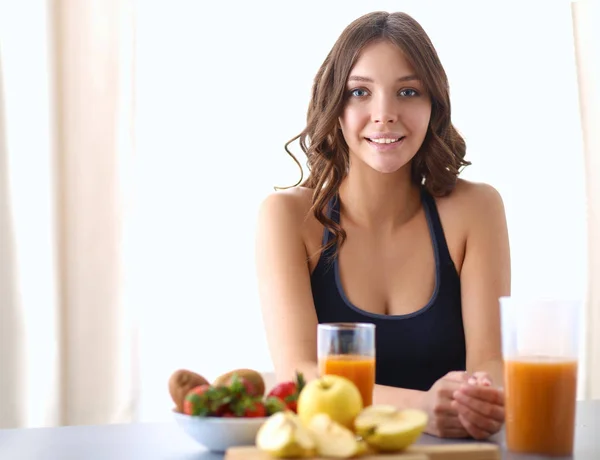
point(412, 93)
point(358, 92)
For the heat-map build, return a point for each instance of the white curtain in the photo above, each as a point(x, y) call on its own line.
point(65, 136)
point(30, 356)
point(586, 20)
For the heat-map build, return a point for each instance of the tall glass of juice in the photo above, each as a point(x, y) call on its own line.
point(540, 348)
point(348, 349)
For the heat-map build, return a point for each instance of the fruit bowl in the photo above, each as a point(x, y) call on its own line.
point(217, 434)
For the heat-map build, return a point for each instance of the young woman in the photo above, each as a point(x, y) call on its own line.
point(383, 231)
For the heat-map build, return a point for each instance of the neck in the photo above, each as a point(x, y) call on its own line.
point(380, 201)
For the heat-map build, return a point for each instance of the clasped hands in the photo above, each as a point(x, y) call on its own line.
point(461, 406)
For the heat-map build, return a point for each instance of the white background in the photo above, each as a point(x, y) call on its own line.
point(221, 86)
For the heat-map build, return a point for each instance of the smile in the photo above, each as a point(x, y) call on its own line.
point(384, 140)
point(384, 144)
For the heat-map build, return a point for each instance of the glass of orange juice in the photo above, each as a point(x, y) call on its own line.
point(540, 347)
point(348, 349)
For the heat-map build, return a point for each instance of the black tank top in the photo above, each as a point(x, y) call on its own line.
point(412, 350)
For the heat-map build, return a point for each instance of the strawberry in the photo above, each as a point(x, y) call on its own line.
point(235, 381)
point(248, 386)
point(206, 400)
point(236, 399)
point(256, 409)
point(239, 386)
point(288, 391)
point(196, 400)
point(274, 404)
point(248, 406)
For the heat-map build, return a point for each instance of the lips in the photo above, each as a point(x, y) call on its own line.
point(384, 140)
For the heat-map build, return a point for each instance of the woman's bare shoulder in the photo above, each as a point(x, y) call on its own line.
point(470, 201)
point(289, 211)
point(470, 210)
point(291, 204)
point(291, 207)
point(469, 194)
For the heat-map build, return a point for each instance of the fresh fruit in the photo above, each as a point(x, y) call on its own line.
point(238, 398)
point(233, 395)
point(256, 385)
point(333, 439)
point(181, 382)
point(211, 401)
point(333, 395)
point(249, 386)
point(389, 429)
point(274, 404)
point(255, 409)
point(283, 435)
point(288, 392)
point(197, 400)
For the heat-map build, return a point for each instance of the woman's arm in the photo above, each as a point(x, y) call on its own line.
point(485, 277)
point(284, 286)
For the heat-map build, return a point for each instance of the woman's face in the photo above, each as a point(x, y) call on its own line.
point(387, 112)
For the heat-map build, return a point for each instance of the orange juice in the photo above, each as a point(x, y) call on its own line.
point(359, 369)
point(540, 405)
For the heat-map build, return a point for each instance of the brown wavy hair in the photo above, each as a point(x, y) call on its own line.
point(441, 156)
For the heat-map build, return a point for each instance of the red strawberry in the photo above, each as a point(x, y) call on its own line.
point(288, 391)
point(256, 409)
point(248, 406)
point(248, 386)
point(196, 401)
point(206, 400)
point(240, 385)
point(274, 404)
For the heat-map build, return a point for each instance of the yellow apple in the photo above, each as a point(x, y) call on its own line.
point(283, 435)
point(334, 440)
point(333, 395)
point(388, 429)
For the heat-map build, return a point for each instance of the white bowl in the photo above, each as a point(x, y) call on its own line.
point(219, 433)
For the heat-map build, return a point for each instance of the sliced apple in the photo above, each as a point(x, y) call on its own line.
point(334, 440)
point(388, 429)
point(283, 435)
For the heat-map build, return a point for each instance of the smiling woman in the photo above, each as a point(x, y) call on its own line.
point(369, 81)
point(418, 252)
point(217, 102)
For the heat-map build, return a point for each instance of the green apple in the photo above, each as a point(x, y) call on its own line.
point(388, 429)
point(333, 395)
point(283, 435)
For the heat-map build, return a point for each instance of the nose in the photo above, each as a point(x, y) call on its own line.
point(383, 110)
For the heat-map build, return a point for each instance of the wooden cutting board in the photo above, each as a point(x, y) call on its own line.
point(459, 451)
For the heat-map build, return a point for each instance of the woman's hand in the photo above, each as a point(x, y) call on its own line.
point(443, 417)
point(480, 406)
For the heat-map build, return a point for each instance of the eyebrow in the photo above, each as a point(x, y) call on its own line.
point(370, 80)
